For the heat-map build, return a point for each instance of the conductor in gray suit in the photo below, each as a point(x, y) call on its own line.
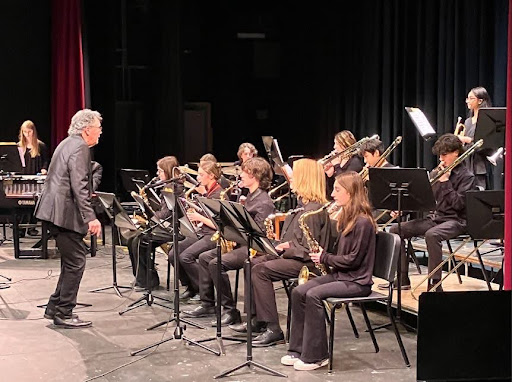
point(66, 204)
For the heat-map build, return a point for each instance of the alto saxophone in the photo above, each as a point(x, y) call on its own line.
point(313, 245)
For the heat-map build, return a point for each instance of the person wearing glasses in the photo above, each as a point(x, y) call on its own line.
point(477, 98)
point(65, 204)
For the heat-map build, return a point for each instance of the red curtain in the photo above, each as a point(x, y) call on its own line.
point(508, 162)
point(68, 95)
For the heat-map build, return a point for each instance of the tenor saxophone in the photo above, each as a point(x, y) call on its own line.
point(313, 245)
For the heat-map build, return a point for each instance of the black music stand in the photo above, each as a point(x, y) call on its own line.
point(131, 178)
point(485, 214)
point(156, 227)
point(400, 189)
point(238, 223)
point(180, 223)
point(212, 208)
point(10, 160)
point(112, 208)
point(490, 127)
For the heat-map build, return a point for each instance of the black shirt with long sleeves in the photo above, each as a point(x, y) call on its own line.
point(259, 205)
point(355, 255)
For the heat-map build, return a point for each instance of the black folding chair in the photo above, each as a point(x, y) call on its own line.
point(387, 255)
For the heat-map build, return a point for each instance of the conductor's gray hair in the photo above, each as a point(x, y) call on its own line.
point(82, 119)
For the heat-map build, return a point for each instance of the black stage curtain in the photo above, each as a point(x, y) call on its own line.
point(321, 68)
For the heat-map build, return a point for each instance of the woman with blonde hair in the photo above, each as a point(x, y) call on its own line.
point(351, 275)
point(308, 183)
point(33, 152)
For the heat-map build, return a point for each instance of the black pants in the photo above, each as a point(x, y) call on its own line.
point(232, 260)
point(189, 251)
point(308, 337)
point(140, 250)
point(72, 265)
point(267, 269)
point(435, 233)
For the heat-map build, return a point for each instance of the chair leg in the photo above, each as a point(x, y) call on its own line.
point(412, 255)
point(397, 335)
point(349, 314)
point(331, 337)
point(168, 284)
point(288, 320)
point(453, 263)
point(237, 279)
point(370, 329)
point(482, 266)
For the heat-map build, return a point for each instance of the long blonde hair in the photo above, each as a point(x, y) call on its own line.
point(22, 141)
point(309, 181)
point(359, 204)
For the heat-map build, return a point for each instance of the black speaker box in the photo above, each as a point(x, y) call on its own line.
point(464, 336)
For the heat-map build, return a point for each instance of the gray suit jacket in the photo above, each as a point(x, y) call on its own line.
point(66, 197)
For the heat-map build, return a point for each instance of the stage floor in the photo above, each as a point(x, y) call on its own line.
point(31, 348)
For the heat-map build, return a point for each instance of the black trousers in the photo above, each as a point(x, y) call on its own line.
point(72, 265)
point(267, 269)
point(232, 260)
point(435, 233)
point(189, 251)
point(308, 336)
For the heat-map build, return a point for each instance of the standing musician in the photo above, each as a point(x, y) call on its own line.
point(33, 152)
point(308, 183)
point(256, 177)
point(342, 141)
point(351, 276)
point(449, 218)
point(138, 244)
point(477, 98)
point(66, 204)
point(189, 249)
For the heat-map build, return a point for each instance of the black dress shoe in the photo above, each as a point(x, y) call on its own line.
point(49, 313)
point(268, 338)
point(257, 327)
point(229, 318)
point(200, 311)
point(72, 322)
point(189, 293)
point(32, 232)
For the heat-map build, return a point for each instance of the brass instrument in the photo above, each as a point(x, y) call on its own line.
point(443, 170)
point(460, 128)
point(313, 245)
point(334, 210)
point(225, 191)
point(384, 156)
point(345, 153)
point(273, 190)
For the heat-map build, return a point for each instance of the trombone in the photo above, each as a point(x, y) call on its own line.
point(443, 170)
point(365, 171)
point(348, 152)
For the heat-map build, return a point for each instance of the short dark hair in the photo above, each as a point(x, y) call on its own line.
point(371, 146)
point(447, 143)
point(260, 169)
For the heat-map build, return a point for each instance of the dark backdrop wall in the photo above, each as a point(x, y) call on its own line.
point(25, 67)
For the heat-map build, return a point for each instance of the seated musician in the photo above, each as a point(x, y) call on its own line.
point(138, 244)
point(245, 151)
point(449, 218)
point(351, 276)
point(189, 249)
point(371, 151)
point(256, 176)
point(308, 183)
point(342, 141)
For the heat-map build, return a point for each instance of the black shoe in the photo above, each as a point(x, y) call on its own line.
point(257, 327)
point(431, 284)
point(72, 322)
point(268, 338)
point(200, 311)
point(32, 232)
point(189, 293)
point(230, 317)
point(49, 313)
point(405, 285)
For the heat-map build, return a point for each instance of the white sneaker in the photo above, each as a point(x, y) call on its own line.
point(289, 360)
point(299, 365)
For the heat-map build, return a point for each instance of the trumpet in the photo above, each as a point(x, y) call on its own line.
point(345, 153)
point(460, 128)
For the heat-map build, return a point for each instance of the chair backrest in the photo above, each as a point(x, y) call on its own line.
point(387, 253)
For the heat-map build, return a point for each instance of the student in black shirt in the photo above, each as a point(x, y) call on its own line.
point(351, 275)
